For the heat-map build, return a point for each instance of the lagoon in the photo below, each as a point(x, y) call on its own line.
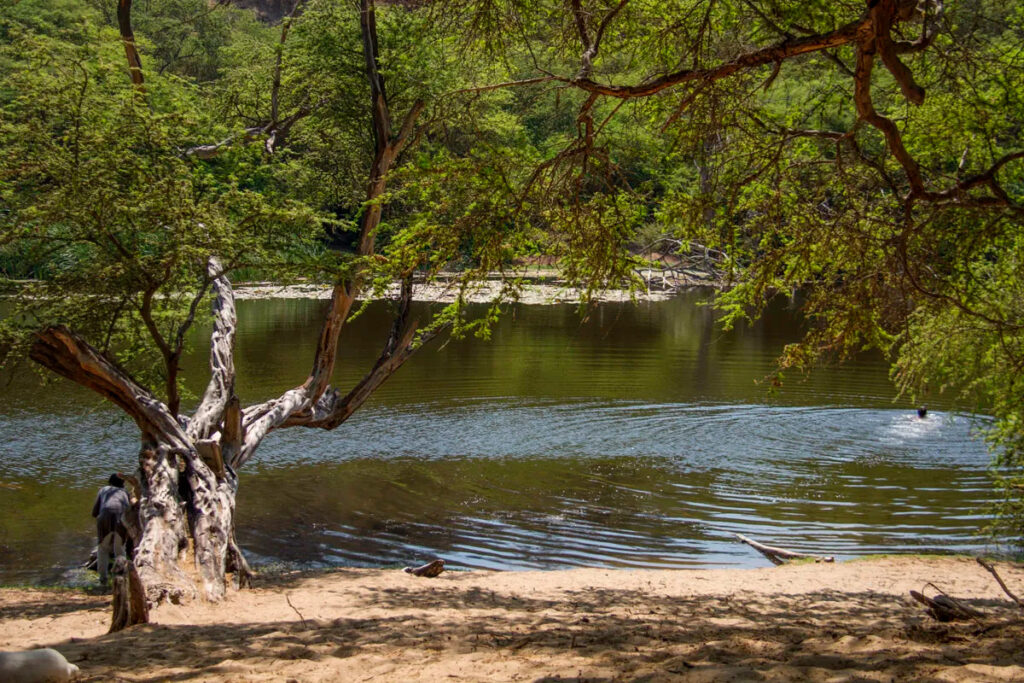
point(635, 436)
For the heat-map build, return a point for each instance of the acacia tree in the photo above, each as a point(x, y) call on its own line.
point(866, 154)
point(150, 227)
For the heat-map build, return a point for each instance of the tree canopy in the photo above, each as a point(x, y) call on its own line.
point(863, 157)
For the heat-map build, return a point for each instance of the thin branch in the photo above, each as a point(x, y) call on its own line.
point(843, 35)
point(992, 570)
point(506, 84)
point(170, 381)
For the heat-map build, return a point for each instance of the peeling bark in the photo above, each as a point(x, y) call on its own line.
point(170, 454)
point(210, 513)
point(221, 388)
point(164, 536)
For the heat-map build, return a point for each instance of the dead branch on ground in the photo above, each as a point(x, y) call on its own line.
point(779, 556)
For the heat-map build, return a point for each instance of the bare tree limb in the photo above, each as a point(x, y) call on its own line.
point(333, 409)
point(62, 351)
point(221, 387)
point(992, 570)
point(506, 84)
point(779, 555)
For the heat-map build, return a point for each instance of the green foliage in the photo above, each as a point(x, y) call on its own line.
point(770, 168)
point(104, 207)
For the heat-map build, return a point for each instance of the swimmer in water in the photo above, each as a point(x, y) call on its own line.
point(922, 412)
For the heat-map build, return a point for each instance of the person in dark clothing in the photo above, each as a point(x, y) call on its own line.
point(111, 506)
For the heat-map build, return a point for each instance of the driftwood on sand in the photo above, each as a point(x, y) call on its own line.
point(781, 555)
point(429, 570)
point(944, 607)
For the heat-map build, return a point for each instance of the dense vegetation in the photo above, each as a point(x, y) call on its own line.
point(863, 156)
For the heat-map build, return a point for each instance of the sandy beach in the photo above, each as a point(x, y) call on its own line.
point(851, 621)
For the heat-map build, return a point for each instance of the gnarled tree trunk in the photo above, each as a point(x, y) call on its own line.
point(187, 466)
point(187, 493)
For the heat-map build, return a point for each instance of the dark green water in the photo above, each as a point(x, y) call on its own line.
point(638, 438)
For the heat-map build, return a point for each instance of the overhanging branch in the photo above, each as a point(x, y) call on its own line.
point(62, 351)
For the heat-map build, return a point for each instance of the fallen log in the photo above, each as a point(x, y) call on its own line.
point(429, 570)
point(943, 607)
point(779, 556)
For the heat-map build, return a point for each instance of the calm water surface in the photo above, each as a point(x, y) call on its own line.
point(636, 438)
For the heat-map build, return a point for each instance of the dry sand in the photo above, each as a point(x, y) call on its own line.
point(844, 622)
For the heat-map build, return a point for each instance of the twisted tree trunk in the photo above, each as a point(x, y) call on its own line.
point(187, 467)
point(186, 476)
point(187, 495)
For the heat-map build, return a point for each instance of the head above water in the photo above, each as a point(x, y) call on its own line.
point(115, 480)
point(922, 411)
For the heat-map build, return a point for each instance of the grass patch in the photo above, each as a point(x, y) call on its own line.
point(920, 556)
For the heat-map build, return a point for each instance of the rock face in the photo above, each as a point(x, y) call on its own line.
point(36, 666)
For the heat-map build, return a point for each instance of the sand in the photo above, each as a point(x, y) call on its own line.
point(814, 622)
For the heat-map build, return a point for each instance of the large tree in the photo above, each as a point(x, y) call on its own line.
point(136, 220)
point(865, 156)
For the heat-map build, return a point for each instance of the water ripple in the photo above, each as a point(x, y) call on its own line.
point(646, 444)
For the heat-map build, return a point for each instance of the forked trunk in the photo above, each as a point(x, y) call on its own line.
point(185, 504)
point(187, 481)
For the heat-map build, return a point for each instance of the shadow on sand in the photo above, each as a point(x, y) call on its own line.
point(622, 635)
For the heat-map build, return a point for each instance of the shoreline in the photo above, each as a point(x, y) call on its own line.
point(850, 621)
point(486, 291)
point(541, 288)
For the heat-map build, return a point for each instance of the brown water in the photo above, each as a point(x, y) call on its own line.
point(637, 438)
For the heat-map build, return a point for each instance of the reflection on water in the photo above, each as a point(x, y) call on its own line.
point(638, 438)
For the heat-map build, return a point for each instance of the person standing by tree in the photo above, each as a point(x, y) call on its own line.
point(112, 504)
